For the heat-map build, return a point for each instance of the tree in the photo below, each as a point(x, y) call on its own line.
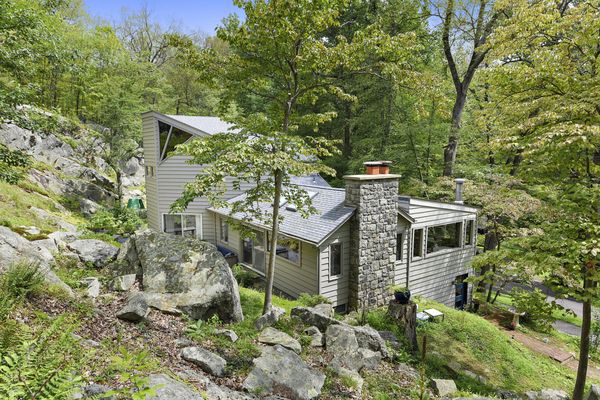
point(278, 61)
point(545, 104)
point(466, 26)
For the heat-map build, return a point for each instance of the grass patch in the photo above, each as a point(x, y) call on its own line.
point(481, 347)
point(15, 208)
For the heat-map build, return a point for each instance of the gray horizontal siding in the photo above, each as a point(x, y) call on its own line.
point(335, 289)
point(433, 276)
point(149, 138)
point(429, 216)
point(173, 174)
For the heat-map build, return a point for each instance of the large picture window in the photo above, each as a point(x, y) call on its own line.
point(169, 138)
point(182, 224)
point(289, 249)
point(253, 251)
point(335, 259)
point(443, 237)
point(418, 243)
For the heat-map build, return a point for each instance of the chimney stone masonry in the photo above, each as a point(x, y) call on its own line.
point(373, 234)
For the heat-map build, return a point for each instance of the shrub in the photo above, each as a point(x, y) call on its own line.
point(20, 280)
point(537, 310)
point(12, 164)
point(595, 334)
point(118, 221)
point(244, 276)
point(311, 300)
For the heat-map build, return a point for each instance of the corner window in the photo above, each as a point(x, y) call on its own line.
point(335, 259)
point(182, 224)
point(399, 246)
point(169, 138)
point(418, 243)
point(224, 230)
point(443, 237)
point(469, 240)
point(289, 249)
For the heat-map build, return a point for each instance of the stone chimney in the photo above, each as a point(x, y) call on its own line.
point(372, 234)
point(458, 198)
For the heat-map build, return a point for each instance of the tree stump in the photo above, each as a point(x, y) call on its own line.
point(406, 317)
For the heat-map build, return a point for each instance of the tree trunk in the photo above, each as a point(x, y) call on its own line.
point(452, 147)
point(274, 236)
point(584, 344)
point(347, 147)
point(119, 184)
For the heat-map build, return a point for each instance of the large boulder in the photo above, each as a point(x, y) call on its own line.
point(14, 249)
point(283, 372)
point(93, 251)
point(183, 274)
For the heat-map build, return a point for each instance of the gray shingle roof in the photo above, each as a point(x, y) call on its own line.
point(210, 125)
point(329, 202)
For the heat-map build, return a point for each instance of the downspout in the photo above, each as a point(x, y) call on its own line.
point(408, 254)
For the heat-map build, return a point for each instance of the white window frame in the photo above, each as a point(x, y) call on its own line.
point(338, 276)
point(270, 248)
point(460, 239)
point(412, 243)
point(199, 230)
point(472, 233)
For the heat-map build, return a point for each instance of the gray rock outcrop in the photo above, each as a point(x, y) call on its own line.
point(316, 337)
point(314, 316)
point(93, 251)
point(269, 318)
point(14, 248)
point(209, 362)
point(443, 387)
point(547, 394)
point(168, 388)
point(272, 336)
point(281, 371)
point(594, 393)
point(341, 341)
point(136, 309)
point(123, 283)
point(182, 275)
point(92, 285)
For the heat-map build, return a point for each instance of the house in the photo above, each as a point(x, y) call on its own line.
point(364, 238)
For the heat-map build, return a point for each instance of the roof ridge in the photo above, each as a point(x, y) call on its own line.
point(321, 187)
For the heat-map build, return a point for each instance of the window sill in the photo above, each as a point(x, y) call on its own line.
point(445, 251)
point(335, 277)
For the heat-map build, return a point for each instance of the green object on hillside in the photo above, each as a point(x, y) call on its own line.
point(135, 203)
